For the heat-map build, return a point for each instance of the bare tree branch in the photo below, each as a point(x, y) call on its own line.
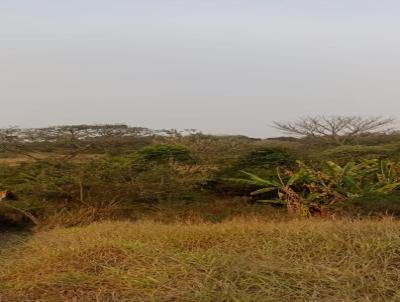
point(336, 129)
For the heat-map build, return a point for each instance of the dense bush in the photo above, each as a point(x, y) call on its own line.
point(266, 158)
point(347, 153)
point(164, 152)
point(306, 190)
point(162, 173)
point(262, 161)
point(374, 204)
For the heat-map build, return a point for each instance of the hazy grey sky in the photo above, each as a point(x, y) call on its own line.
point(221, 66)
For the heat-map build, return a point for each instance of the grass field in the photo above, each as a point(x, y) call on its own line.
point(239, 260)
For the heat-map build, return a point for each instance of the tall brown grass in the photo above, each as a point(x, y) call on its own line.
point(238, 260)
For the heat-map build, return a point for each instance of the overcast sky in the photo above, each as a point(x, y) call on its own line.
point(220, 66)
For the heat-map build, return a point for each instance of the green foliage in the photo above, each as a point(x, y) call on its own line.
point(165, 152)
point(307, 188)
point(95, 169)
point(266, 158)
point(373, 204)
point(261, 162)
point(357, 153)
point(141, 177)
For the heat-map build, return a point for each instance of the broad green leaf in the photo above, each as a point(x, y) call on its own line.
point(260, 180)
point(264, 190)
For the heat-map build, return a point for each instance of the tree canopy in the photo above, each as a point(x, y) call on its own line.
point(335, 129)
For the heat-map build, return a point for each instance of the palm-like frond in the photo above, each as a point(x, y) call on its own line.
point(264, 190)
point(261, 181)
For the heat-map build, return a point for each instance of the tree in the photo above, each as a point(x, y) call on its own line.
point(12, 140)
point(73, 140)
point(335, 129)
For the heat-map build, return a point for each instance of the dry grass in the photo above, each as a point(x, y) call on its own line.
point(212, 210)
point(238, 260)
point(13, 160)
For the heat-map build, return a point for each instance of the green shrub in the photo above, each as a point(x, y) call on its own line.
point(266, 158)
point(165, 152)
point(358, 153)
point(306, 190)
point(262, 162)
point(375, 204)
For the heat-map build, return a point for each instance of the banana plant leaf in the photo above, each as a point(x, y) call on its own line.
point(260, 180)
point(264, 190)
point(277, 201)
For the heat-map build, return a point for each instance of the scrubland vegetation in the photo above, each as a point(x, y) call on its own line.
point(115, 213)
